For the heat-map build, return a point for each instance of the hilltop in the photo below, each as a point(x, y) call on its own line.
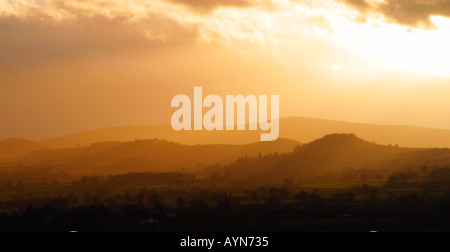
point(332, 158)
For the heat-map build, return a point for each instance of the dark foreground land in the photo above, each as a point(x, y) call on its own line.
point(181, 203)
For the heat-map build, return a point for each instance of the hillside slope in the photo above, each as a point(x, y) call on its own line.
point(148, 156)
point(333, 157)
point(16, 147)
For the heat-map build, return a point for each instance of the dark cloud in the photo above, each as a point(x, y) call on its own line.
point(361, 5)
point(207, 6)
point(413, 13)
point(38, 38)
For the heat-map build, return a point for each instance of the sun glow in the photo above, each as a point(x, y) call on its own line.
point(287, 30)
point(388, 48)
point(371, 48)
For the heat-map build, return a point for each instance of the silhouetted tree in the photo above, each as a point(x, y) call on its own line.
point(224, 203)
point(349, 197)
point(302, 197)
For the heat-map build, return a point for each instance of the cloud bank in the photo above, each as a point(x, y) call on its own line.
point(413, 13)
point(206, 6)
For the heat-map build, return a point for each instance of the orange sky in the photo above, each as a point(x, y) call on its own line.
point(69, 66)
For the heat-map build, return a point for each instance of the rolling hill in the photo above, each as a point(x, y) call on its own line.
point(16, 147)
point(299, 129)
point(147, 156)
point(334, 157)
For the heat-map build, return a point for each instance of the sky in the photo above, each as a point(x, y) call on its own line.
point(76, 65)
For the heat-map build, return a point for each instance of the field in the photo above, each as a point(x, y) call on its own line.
point(119, 203)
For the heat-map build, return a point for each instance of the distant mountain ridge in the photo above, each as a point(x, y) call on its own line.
point(299, 129)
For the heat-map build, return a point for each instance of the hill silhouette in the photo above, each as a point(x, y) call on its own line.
point(165, 132)
point(299, 129)
point(148, 156)
point(61, 156)
point(333, 156)
point(16, 147)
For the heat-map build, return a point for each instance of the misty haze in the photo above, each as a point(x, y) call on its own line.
point(104, 126)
